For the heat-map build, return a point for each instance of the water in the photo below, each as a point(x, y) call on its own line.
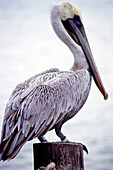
point(28, 45)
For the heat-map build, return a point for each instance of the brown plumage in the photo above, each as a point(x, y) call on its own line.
point(49, 99)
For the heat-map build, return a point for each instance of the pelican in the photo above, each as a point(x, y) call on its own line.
point(49, 99)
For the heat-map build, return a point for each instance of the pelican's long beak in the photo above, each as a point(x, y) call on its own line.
point(76, 30)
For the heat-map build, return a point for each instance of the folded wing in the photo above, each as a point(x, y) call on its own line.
point(38, 107)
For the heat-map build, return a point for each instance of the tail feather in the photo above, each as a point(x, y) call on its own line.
point(10, 147)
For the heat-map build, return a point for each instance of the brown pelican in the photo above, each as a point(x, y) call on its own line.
point(47, 100)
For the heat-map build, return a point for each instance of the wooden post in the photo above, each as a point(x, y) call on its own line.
point(65, 156)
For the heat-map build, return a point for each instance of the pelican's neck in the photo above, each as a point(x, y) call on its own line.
point(79, 57)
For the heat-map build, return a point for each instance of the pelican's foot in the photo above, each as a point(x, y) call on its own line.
point(42, 139)
point(84, 147)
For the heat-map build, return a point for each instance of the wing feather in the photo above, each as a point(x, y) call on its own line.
point(14, 143)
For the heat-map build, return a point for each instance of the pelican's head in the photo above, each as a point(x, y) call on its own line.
point(69, 10)
point(68, 24)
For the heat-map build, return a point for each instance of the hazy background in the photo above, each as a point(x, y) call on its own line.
point(28, 45)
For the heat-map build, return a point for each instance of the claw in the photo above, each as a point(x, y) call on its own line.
point(84, 147)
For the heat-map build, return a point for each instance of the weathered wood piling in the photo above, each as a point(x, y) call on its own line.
point(65, 156)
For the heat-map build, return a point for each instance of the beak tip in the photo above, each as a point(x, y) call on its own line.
point(106, 96)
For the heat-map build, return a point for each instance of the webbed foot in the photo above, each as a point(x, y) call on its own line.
point(84, 147)
point(42, 139)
